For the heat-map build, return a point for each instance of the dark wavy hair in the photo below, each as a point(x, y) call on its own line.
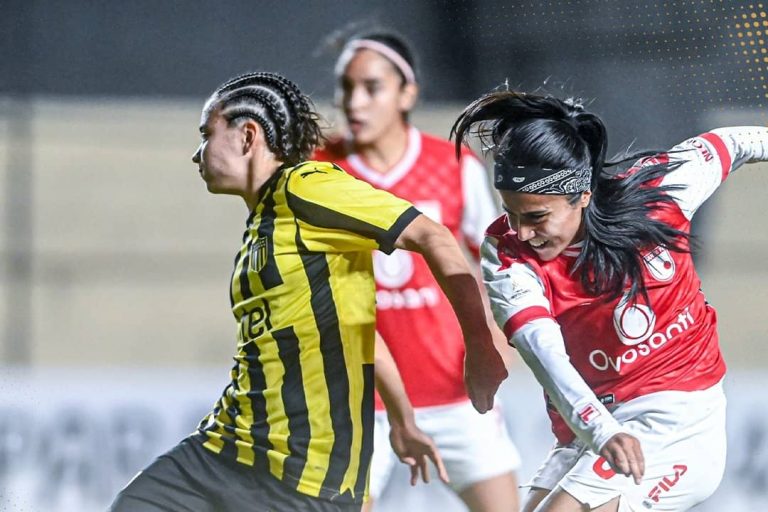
point(525, 129)
point(287, 116)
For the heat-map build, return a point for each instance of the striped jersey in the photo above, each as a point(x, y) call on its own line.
point(413, 315)
point(300, 401)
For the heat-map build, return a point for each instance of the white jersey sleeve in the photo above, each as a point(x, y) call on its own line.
point(479, 206)
point(709, 159)
point(521, 308)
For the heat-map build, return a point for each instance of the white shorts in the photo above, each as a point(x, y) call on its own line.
point(682, 435)
point(474, 446)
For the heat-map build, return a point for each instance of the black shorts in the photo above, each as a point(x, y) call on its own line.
point(190, 478)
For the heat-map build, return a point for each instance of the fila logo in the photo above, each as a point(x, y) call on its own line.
point(666, 483)
point(588, 412)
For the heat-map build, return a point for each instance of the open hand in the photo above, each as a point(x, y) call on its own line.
point(414, 448)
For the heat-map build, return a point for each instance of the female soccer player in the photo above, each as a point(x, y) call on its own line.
point(377, 89)
point(590, 276)
point(293, 429)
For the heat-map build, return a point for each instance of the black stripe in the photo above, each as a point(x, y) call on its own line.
point(245, 284)
point(232, 279)
point(366, 448)
point(259, 427)
point(387, 244)
point(334, 365)
point(269, 274)
point(294, 401)
point(323, 217)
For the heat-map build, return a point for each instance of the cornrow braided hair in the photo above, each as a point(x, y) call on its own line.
point(286, 116)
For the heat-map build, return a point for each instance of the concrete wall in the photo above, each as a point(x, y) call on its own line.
point(131, 256)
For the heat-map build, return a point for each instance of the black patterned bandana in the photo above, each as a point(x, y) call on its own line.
point(540, 180)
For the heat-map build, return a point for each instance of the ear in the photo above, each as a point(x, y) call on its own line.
point(409, 93)
point(586, 197)
point(252, 134)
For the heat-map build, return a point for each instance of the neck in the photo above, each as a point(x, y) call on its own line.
point(260, 170)
point(382, 154)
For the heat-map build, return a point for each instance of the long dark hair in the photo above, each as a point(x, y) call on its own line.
point(287, 116)
point(525, 129)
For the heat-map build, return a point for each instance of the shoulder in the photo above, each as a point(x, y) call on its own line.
point(434, 144)
point(314, 173)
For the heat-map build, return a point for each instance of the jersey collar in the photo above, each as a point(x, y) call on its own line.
point(398, 171)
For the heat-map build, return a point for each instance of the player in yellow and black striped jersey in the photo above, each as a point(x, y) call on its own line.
point(303, 293)
point(292, 430)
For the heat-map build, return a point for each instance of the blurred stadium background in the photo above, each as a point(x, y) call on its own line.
point(115, 330)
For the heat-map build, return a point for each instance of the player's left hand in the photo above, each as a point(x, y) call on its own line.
point(415, 448)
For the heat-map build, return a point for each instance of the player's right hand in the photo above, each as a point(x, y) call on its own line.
point(483, 373)
point(624, 454)
point(414, 448)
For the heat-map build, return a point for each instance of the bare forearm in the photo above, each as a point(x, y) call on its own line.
point(390, 385)
point(454, 275)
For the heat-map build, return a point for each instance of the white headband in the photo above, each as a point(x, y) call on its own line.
point(381, 48)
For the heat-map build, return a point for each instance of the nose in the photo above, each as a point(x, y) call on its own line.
point(525, 232)
point(196, 156)
point(354, 98)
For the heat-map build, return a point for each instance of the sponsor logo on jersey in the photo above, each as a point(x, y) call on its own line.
point(660, 264)
point(634, 323)
point(392, 270)
point(408, 298)
point(666, 483)
point(644, 346)
point(259, 253)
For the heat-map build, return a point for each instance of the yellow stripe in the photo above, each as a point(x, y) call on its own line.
point(245, 420)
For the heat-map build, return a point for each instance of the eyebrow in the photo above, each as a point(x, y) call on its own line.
point(535, 213)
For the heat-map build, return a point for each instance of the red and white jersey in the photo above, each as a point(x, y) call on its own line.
point(588, 353)
point(413, 315)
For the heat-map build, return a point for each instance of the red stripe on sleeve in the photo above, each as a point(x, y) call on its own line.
point(722, 152)
point(521, 318)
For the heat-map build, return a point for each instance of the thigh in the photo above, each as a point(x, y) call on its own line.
point(166, 485)
point(475, 447)
point(683, 441)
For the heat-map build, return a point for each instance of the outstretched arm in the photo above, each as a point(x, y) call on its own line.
point(484, 368)
point(540, 344)
point(412, 446)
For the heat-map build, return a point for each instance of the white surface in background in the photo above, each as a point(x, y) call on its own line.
point(70, 439)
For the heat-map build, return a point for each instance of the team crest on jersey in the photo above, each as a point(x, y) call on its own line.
point(660, 264)
point(259, 253)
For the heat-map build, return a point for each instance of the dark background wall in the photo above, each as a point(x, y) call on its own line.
point(653, 68)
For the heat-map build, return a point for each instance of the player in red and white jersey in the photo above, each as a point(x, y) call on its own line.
point(590, 276)
point(377, 89)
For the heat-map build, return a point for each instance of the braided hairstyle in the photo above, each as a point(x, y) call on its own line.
point(286, 116)
point(524, 129)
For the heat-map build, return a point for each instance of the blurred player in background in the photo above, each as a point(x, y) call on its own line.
point(590, 275)
point(293, 430)
point(377, 88)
